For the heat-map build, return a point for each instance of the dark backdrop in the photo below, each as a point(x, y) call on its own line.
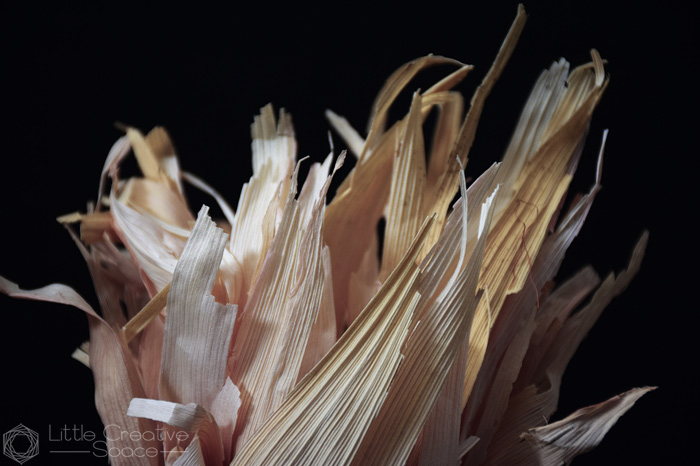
point(69, 73)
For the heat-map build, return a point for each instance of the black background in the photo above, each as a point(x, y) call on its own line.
point(69, 73)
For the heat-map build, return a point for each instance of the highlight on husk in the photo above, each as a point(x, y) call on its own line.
point(281, 335)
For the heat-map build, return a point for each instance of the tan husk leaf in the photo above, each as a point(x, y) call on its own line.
point(581, 431)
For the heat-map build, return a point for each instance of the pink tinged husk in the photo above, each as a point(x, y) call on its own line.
point(117, 280)
point(197, 335)
point(532, 403)
point(283, 306)
point(150, 354)
point(225, 408)
point(230, 276)
point(116, 383)
point(322, 336)
point(192, 456)
point(549, 319)
point(116, 377)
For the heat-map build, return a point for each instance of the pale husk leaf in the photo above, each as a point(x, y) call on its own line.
point(349, 134)
point(440, 439)
point(191, 418)
point(324, 419)
point(274, 152)
point(283, 306)
point(197, 330)
point(153, 248)
point(442, 323)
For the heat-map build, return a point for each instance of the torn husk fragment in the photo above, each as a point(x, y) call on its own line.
point(283, 336)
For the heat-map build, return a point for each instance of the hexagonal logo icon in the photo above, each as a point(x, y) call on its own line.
point(20, 444)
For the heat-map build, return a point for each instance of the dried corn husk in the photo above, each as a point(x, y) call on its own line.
point(283, 336)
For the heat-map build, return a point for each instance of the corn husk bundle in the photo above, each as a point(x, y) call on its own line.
point(283, 334)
